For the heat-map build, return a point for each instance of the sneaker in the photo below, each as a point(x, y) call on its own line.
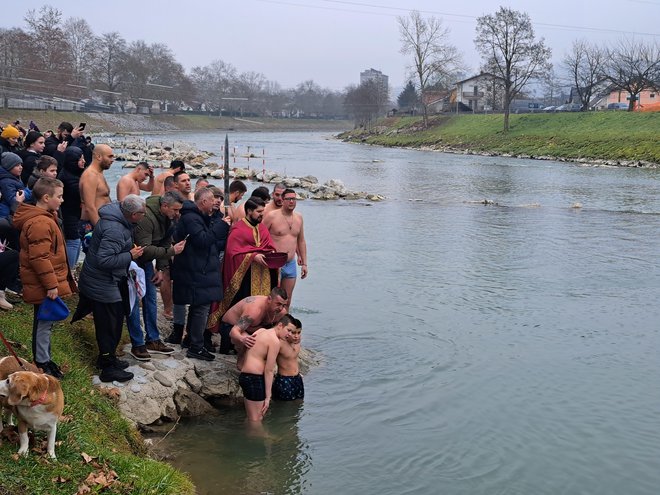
point(185, 343)
point(140, 353)
point(157, 347)
point(56, 371)
point(4, 304)
point(112, 373)
point(200, 354)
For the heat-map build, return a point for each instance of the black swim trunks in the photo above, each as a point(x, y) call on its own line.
point(253, 386)
point(288, 387)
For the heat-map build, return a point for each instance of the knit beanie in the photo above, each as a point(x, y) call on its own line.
point(10, 160)
point(10, 132)
point(31, 138)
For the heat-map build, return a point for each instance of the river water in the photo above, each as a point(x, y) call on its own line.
point(466, 348)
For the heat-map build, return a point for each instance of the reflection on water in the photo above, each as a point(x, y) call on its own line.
point(224, 455)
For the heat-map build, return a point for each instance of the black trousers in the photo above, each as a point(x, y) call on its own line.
point(108, 322)
point(8, 268)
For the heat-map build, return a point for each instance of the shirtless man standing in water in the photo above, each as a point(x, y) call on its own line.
point(288, 384)
point(133, 182)
point(256, 378)
point(286, 230)
point(248, 315)
point(94, 190)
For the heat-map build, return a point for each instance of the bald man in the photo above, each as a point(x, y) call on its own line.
point(94, 189)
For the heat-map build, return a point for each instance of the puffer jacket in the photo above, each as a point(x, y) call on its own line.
point(9, 186)
point(154, 233)
point(108, 258)
point(43, 262)
point(70, 177)
point(196, 270)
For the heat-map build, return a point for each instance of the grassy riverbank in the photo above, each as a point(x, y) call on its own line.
point(92, 427)
point(592, 135)
point(119, 123)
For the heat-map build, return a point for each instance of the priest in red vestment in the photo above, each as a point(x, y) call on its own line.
point(244, 270)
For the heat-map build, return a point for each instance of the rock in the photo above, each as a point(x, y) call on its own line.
point(135, 388)
point(171, 363)
point(189, 404)
point(148, 366)
point(375, 197)
point(291, 182)
point(193, 381)
point(242, 173)
point(162, 379)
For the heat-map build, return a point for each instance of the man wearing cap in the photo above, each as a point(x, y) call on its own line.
point(9, 139)
point(12, 188)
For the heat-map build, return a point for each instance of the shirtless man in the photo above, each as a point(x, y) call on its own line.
point(94, 189)
point(237, 190)
point(247, 315)
point(276, 202)
point(256, 378)
point(159, 183)
point(183, 185)
point(201, 183)
point(288, 384)
point(286, 230)
point(133, 182)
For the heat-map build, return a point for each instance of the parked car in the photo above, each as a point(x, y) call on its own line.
point(551, 108)
point(569, 107)
point(617, 106)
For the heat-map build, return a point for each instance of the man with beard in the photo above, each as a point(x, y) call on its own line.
point(66, 135)
point(244, 269)
point(183, 185)
point(276, 197)
point(94, 189)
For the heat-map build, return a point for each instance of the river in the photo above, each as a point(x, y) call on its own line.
point(466, 348)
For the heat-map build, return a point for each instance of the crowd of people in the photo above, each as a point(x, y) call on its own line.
point(209, 256)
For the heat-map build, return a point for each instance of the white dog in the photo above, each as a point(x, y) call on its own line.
point(38, 401)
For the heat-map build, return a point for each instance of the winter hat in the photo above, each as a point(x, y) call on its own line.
point(10, 160)
point(10, 132)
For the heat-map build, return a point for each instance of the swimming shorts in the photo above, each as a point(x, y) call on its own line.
point(290, 269)
point(253, 386)
point(288, 387)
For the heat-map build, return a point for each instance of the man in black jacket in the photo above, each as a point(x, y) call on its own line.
point(196, 271)
point(66, 136)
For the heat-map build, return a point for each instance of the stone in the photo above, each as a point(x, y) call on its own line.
point(135, 388)
point(193, 381)
point(163, 379)
point(148, 366)
point(159, 366)
point(171, 363)
point(189, 404)
point(291, 182)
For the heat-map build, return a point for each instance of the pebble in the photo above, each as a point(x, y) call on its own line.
point(160, 366)
point(135, 388)
point(171, 363)
point(148, 366)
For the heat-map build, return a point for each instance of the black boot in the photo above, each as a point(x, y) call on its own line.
point(208, 342)
point(111, 371)
point(175, 336)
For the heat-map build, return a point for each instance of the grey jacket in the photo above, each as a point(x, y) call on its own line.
point(108, 258)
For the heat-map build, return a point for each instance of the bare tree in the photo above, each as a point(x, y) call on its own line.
point(214, 82)
point(365, 103)
point(83, 44)
point(50, 52)
point(584, 65)
point(506, 42)
point(108, 65)
point(633, 66)
point(433, 56)
point(552, 89)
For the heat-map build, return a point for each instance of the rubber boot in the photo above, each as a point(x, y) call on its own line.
point(176, 335)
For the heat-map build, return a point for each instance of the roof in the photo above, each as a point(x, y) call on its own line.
point(482, 74)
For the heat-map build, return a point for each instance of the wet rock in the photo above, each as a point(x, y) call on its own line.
point(291, 182)
point(189, 404)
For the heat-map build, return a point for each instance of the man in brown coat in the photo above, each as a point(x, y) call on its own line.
point(43, 263)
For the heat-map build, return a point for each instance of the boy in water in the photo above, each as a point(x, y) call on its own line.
point(256, 378)
point(288, 384)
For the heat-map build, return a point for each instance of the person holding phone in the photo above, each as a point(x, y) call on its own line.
point(65, 136)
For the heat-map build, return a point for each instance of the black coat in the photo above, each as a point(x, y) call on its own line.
point(196, 271)
point(51, 148)
point(70, 177)
point(30, 159)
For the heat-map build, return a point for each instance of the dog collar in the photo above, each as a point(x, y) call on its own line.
point(41, 399)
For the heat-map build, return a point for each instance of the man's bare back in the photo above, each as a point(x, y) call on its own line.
point(159, 183)
point(266, 342)
point(248, 313)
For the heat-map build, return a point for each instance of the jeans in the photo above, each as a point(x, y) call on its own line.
point(149, 312)
point(198, 315)
point(41, 331)
point(73, 251)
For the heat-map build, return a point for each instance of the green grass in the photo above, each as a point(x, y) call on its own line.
point(593, 135)
point(94, 427)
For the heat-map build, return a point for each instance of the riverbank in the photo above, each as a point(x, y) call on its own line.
point(109, 123)
point(96, 447)
point(600, 138)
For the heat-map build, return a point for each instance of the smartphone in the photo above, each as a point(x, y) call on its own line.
point(186, 237)
point(82, 126)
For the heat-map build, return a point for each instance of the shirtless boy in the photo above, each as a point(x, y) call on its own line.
point(94, 189)
point(288, 384)
point(286, 230)
point(159, 183)
point(256, 378)
point(133, 182)
point(248, 315)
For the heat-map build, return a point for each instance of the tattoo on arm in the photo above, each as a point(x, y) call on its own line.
point(249, 299)
point(244, 322)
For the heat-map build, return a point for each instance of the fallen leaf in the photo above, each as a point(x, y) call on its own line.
point(86, 457)
point(83, 489)
point(65, 418)
point(15, 457)
point(60, 479)
point(111, 392)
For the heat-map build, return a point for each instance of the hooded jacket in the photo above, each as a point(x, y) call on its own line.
point(52, 142)
point(70, 177)
point(30, 159)
point(9, 186)
point(43, 262)
point(196, 270)
point(108, 258)
point(154, 233)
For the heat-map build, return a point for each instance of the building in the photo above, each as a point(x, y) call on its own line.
point(381, 80)
point(480, 93)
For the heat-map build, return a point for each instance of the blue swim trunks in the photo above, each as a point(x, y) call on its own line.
point(288, 387)
point(290, 269)
point(253, 386)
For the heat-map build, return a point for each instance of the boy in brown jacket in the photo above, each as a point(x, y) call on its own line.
point(43, 263)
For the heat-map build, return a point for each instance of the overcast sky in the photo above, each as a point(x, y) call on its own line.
point(331, 41)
